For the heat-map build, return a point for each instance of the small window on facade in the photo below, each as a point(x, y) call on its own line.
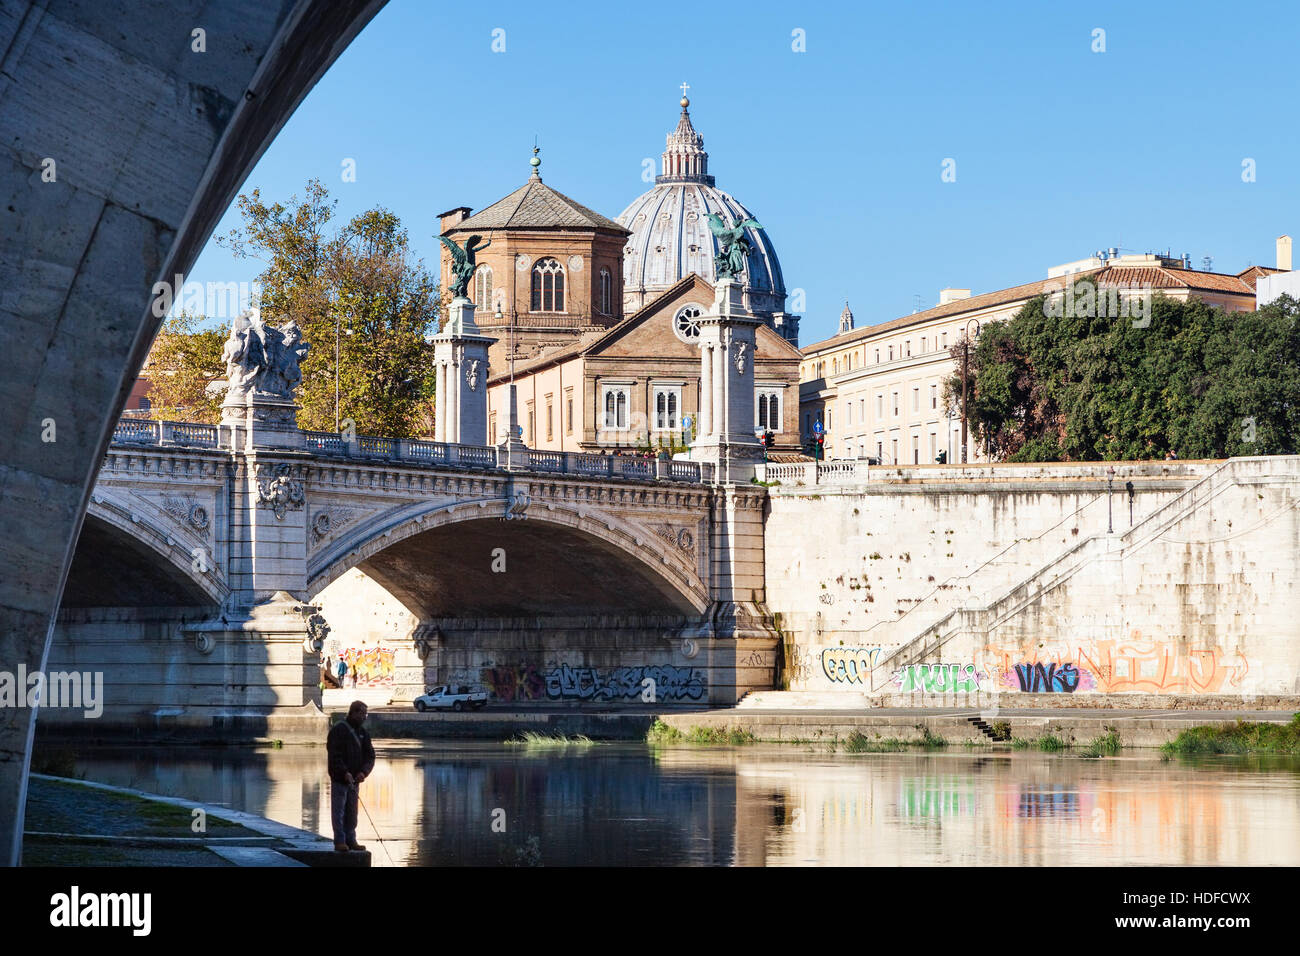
point(483, 289)
point(568, 410)
point(616, 401)
point(916, 399)
point(606, 292)
point(895, 404)
point(550, 429)
point(934, 396)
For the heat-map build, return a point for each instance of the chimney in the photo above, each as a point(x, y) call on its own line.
point(952, 295)
point(1284, 253)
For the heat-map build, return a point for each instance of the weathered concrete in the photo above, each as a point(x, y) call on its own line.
point(122, 148)
point(925, 591)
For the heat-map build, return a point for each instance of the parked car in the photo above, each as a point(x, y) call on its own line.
point(455, 697)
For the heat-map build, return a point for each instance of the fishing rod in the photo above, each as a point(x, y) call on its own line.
point(372, 825)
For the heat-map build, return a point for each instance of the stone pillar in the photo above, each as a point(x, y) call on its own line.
point(461, 355)
point(706, 390)
point(728, 332)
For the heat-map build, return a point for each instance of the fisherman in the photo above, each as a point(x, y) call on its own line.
point(351, 757)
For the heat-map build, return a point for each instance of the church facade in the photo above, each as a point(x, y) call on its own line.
point(597, 321)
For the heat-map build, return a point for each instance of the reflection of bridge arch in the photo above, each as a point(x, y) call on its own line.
point(143, 541)
point(436, 570)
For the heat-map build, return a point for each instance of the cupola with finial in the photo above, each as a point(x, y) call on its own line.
point(684, 159)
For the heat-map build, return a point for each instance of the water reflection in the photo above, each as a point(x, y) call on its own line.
point(624, 804)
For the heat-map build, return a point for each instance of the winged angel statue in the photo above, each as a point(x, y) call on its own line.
point(735, 247)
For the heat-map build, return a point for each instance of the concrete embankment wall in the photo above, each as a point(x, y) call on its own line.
point(823, 728)
point(937, 586)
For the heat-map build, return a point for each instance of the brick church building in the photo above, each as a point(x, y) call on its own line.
point(596, 320)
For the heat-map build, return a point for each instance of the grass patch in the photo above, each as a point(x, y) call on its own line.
point(1107, 745)
point(532, 738)
point(1049, 744)
point(1241, 737)
point(661, 733)
point(859, 743)
point(931, 740)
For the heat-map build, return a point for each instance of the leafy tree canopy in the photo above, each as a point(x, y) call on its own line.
point(358, 281)
point(1071, 385)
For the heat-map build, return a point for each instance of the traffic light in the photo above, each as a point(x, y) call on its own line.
point(821, 443)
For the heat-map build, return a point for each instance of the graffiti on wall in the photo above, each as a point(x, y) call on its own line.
point(624, 683)
point(1117, 666)
point(1050, 677)
point(849, 665)
point(509, 684)
point(373, 666)
point(938, 678)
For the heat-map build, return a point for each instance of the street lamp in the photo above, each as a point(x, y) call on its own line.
point(1110, 486)
point(337, 320)
point(965, 374)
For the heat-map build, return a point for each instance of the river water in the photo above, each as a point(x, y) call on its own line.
point(445, 803)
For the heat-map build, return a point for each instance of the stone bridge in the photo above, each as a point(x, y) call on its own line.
point(192, 589)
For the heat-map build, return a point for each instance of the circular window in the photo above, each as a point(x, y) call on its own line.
point(687, 323)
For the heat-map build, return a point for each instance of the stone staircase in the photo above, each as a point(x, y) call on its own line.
point(992, 605)
point(1017, 560)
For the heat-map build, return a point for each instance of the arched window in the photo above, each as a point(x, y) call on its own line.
point(548, 286)
point(606, 292)
point(483, 289)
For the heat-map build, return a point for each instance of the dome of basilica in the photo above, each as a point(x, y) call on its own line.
point(671, 238)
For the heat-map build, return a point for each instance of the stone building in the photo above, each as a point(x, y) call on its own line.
point(597, 322)
point(878, 390)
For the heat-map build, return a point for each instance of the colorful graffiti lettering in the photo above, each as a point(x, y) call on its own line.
point(1047, 678)
point(373, 666)
point(851, 665)
point(624, 683)
point(938, 678)
point(514, 683)
point(1156, 667)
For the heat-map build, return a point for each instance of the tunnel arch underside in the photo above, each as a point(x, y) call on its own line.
point(113, 568)
point(549, 569)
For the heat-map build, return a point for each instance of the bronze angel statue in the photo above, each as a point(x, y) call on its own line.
point(735, 247)
point(463, 263)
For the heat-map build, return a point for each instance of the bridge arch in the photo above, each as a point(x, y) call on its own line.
point(438, 559)
point(127, 551)
point(85, 248)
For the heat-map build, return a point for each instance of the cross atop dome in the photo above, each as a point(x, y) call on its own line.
point(684, 159)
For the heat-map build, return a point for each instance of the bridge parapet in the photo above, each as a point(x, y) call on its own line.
point(148, 432)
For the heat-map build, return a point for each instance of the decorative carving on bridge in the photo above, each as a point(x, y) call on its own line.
point(281, 491)
point(680, 538)
point(318, 630)
point(740, 357)
point(516, 509)
point(471, 375)
point(188, 511)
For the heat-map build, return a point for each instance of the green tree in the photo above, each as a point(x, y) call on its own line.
point(1048, 385)
point(360, 282)
point(186, 371)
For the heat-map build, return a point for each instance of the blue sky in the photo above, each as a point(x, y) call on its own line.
point(837, 150)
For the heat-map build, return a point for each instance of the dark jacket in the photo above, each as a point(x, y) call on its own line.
point(349, 751)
